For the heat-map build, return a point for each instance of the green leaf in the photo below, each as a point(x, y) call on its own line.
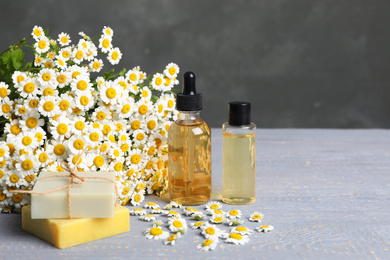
point(17, 59)
point(122, 73)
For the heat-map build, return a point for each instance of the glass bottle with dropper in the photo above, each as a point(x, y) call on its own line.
point(239, 155)
point(189, 149)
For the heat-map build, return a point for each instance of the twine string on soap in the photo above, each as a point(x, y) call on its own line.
point(73, 176)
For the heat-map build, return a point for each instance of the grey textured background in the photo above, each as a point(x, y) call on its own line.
point(302, 63)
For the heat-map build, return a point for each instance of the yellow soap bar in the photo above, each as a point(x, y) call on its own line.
point(63, 233)
point(93, 199)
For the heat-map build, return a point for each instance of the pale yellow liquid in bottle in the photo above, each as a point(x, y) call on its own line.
point(190, 163)
point(239, 169)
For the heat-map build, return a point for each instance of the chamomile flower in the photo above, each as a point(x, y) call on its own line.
point(171, 70)
point(156, 233)
point(139, 137)
point(19, 76)
point(198, 224)
point(60, 63)
point(234, 221)
point(198, 216)
point(102, 113)
point(38, 61)
point(47, 77)
point(58, 149)
point(40, 135)
point(42, 44)
point(64, 39)
point(211, 231)
point(49, 91)
point(26, 141)
point(4, 90)
point(79, 54)
point(148, 217)
point(13, 127)
point(208, 244)
point(173, 213)
point(136, 159)
point(65, 53)
point(234, 213)
point(170, 101)
point(43, 157)
point(241, 230)
point(236, 238)
point(5, 106)
point(265, 228)
point(60, 128)
point(151, 205)
point(158, 81)
point(172, 239)
point(114, 56)
point(28, 88)
point(14, 179)
point(66, 104)
point(105, 43)
point(20, 109)
point(151, 124)
point(110, 93)
point(134, 78)
point(216, 212)
point(217, 219)
point(97, 161)
point(137, 198)
point(213, 205)
point(81, 83)
point(137, 212)
point(84, 100)
point(256, 217)
point(188, 211)
point(4, 151)
point(77, 143)
point(47, 63)
point(74, 160)
point(177, 224)
point(156, 211)
point(144, 108)
point(96, 65)
point(48, 106)
point(37, 32)
point(108, 31)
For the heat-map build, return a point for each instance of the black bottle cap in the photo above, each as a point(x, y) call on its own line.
point(188, 99)
point(239, 113)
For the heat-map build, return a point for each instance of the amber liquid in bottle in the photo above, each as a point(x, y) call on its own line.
point(189, 145)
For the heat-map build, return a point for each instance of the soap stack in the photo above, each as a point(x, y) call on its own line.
point(93, 209)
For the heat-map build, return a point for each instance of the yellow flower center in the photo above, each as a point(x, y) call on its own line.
point(177, 224)
point(6, 108)
point(38, 59)
point(75, 159)
point(82, 85)
point(116, 153)
point(46, 77)
point(39, 136)
point(151, 150)
point(125, 147)
point(198, 224)
point(33, 103)
point(105, 43)
point(79, 55)
point(2, 152)
point(118, 167)
point(61, 78)
point(133, 77)
point(171, 238)
point(115, 55)
point(98, 161)
point(37, 32)
point(48, 64)
point(235, 236)
point(207, 242)
point(59, 149)
point(217, 211)
point(149, 165)
point(14, 178)
point(125, 191)
point(48, 92)
point(42, 157)
point(29, 178)
point(65, 54)
point(172, 71)
point(84, 101)
point(79, 125)
point(137, 198)
point(64, 39)
point(94, 136)
point(167, 81)
point(156, 231)
point(135, 159)
point(78, 144)
point(17, 197)
point(64, 105)
point(241, 229)
point(106, 129)
point(27, 164)
point(42, 44)
point(111, 93)
point(160, 108)
point(171, 103)
point(140, 136)
point(151, 124)
point(96, 65)
point(256, 217)
point(26, 141)
point(233, 212)
point(214, 206)
point(218, 219)
point(22, 110)
point(143, 109)
point(103, 148)
point(101, 115)
point(19, 78)
point(210, 230)
point(11, 149)
point(3, 92)
point(62, 129)
point(29, 87)
point(75, 74)
point(151, 203)
point(135, 124)
point(158, 81)
point(48, 106)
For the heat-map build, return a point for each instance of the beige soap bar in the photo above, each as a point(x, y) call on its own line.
point(93, 199)
point(63, 233)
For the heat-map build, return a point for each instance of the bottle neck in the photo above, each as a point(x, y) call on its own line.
point(189, 115)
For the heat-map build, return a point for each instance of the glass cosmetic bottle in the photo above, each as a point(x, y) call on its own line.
point(189, 149)
point(239, 156)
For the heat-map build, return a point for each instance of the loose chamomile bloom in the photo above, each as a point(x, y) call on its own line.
point(105, 43)
point(172, 239)
point(31, 121)
point(6, 106)
point(64, 39)
point(81, 83)
point(148, 217)
point(197, 225)
point(102, 113)
point(208, 244)
point(63, 78)
point(216, 212)
point(256, 217)
point(158, 82)
point(177, 224)
point(47, 77)
point(79, 54)
point(26, 141)
point(84, 100)
point(235, 221)
point(27, 164)
point(234, 213)
point(241, 230)
point(137, 212)
point(4, 90)
point(156, 211)
point(37, 32)
point(137, 198)
point(114, 56)
point(218, 219)
point(96, 65)
point(139, 137)
point(156, 233)
point(42, 44)
point(134, 77)
point(173, 213)
point(213, 205)
point(38, 61)
point(66, 104)
point(188, 211)
point(65, 53)
point(48, 106)
point(171, 70)
point(28, 88)
point(198, 216)
point(60, 63)
point(211, 231)
point(265, 228)
point(151, 205)
point(19, 76)
point(110, 93)
point(108, 31)
point(58, 148)
point(236, 238)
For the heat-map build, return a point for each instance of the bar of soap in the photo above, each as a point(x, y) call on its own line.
point(63, 233)
point(93, 199)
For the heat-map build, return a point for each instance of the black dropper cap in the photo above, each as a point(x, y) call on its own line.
point(188, 99)
point(239, 113)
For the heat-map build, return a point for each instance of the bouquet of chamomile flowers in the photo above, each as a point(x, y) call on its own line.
point(52, 108)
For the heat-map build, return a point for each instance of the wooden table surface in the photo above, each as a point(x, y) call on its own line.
point(326, 192)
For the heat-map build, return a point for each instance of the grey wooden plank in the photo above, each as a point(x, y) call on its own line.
point(326, 192)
